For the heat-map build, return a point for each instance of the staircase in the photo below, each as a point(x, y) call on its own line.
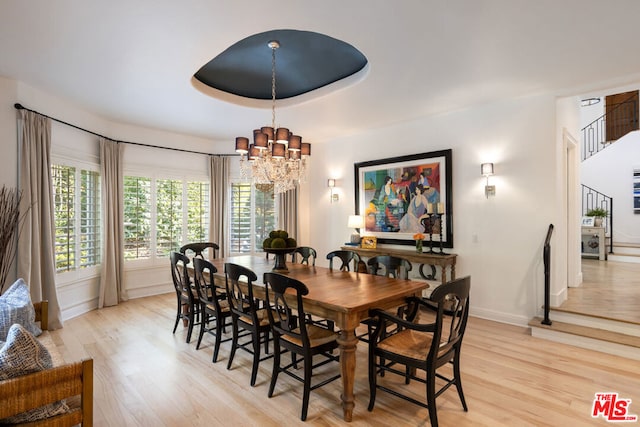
point(625, 252)
point(595, 333)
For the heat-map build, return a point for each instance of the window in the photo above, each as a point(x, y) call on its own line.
point(181, 215)
point(253, 216)
point(76, 194)
point(137, 217)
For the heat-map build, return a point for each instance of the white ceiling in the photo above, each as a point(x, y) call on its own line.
point(132, 60)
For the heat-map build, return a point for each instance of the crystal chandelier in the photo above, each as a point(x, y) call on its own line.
point(276, 157)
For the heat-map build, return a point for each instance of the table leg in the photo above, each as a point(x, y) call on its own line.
point(347, 342)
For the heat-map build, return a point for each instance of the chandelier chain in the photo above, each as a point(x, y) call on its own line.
point(273, 86)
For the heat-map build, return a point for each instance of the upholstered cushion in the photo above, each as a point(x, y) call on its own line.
point(23, 354)
point(317, 336)
point(16, 307)
point(408, 343)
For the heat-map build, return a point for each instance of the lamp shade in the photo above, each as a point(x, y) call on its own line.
point(278, 151)
point(242, 145)
point(267, 130)
point(305, 149)
point(295, 143)
point(260, 140)
point(254, 152)
point(355, 221)
point(282, 135)
point(486, 169)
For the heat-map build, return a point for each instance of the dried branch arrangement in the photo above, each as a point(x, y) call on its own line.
point(9, 230)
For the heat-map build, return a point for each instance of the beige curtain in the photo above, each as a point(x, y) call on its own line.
point(219, 203)
point(36, 259)
point(112, 278)
point(288, 212)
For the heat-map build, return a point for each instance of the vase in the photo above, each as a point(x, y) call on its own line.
point(419, 246)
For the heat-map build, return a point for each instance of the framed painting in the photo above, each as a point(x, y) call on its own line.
point(402, 196)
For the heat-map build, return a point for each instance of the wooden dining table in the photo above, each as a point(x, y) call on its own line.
point(342, 296)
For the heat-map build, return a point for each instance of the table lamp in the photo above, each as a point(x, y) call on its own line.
point(355, 221)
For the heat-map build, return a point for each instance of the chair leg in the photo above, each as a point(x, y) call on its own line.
point(256, 356)
point(191, 322)
point(203, 325)
point(372, 382)
point(431, 399)
point(308, 363)
point(175, 326)
point(216, 345)
point(234, 343)
point(456, 375)
point(276, 366)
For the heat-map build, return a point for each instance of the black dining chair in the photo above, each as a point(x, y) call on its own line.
point(306, 253)
point(198, 249)
point(247, 315)
point(214, 307)
point(188, 309)
point(345, 258)
point(293, 332)
point(422, 346)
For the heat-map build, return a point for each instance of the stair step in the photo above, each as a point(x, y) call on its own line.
point(596, 322)
point(588, 337)
point(624, 258)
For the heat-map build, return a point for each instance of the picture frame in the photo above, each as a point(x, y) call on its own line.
point(368, 242)
point(404, 195)
point(588, 221)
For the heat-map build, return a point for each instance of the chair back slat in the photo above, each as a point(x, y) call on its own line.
point(284, 319)
point(198, 249)
point(452, 300)
point(241, 303)
point(180, 275)
point(390, 266)
point(345, 256)
point(305, 252)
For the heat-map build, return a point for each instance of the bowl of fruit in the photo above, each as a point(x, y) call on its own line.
point(279, 243)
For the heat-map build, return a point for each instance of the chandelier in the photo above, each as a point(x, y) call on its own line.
point(276, 157)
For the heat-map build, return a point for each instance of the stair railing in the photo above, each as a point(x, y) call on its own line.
point(546, 258)
point(595, 133)
point(592, 199)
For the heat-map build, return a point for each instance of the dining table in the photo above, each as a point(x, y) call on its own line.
point(341, 296)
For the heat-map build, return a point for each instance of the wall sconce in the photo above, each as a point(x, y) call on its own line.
point(355, 221)
point(331, 183)
point(487, 170)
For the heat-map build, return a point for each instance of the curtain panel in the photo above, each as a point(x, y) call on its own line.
point(36, 257)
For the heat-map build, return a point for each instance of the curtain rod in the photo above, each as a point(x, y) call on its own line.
point(19, 106)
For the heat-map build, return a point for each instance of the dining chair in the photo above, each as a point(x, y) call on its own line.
point(388, 266)
point(246, 314)
point(188, 309)
point(198, 249)
point(214, 307)
point(305, 252)
point(293, 332)
point(422, 346)
point(345, 257)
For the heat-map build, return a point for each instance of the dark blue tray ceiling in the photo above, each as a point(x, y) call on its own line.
point(305, 61)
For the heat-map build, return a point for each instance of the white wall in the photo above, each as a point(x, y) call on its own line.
point(611, 172)
point(498, 240)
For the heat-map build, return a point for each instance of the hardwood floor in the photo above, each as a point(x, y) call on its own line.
point(146, 376)
point(610, 289)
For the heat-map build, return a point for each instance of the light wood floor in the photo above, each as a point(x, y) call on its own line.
point(145, 376)
point(610, 289)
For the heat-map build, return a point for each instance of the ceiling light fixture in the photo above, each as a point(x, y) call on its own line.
point(276, 157)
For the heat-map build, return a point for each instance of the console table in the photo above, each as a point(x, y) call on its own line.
point(433, 260)
point(593, 243)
